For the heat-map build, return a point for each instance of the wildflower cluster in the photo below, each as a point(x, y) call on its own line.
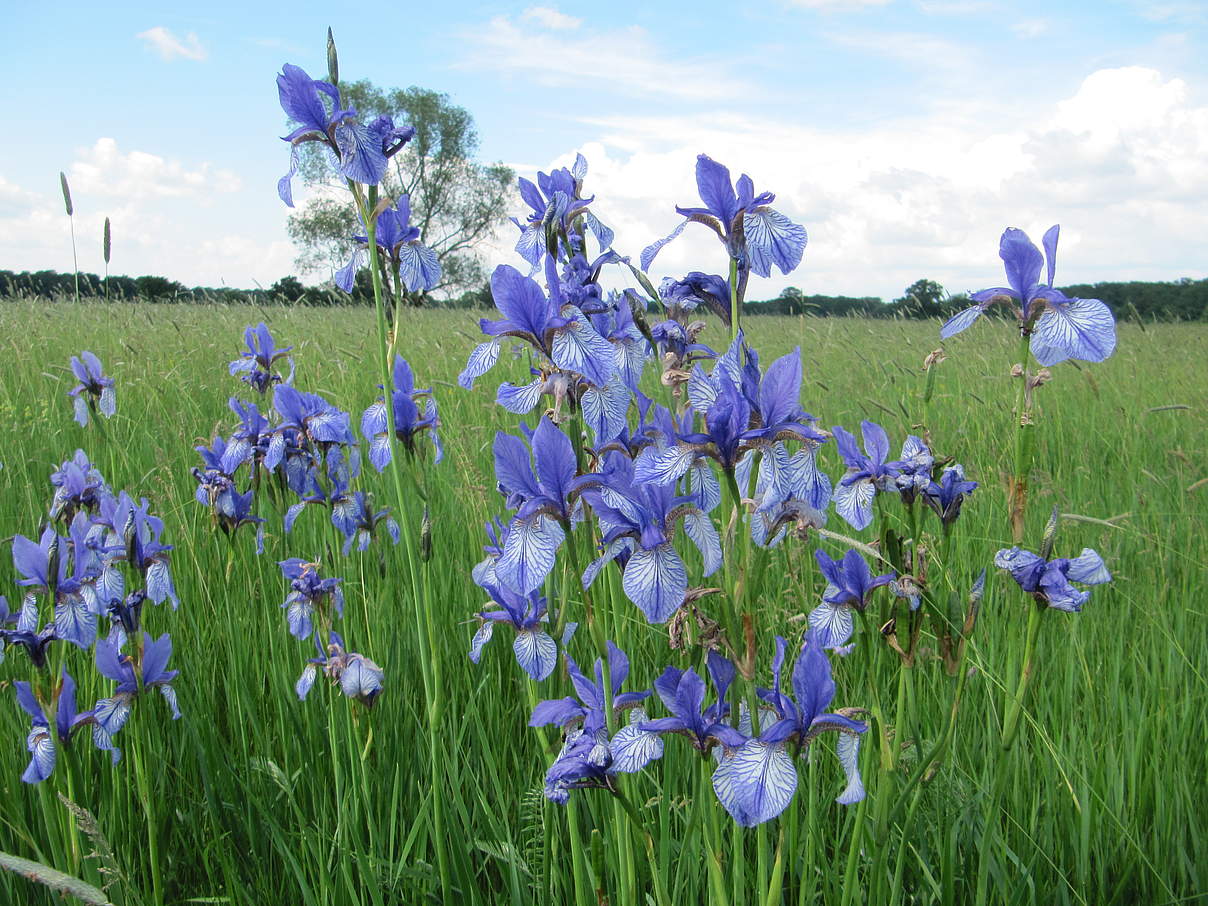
point(86, 578)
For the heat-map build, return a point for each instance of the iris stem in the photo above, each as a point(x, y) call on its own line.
point(1010, 727)
point(1018, 496)
point(429, 667)
point(735, 306)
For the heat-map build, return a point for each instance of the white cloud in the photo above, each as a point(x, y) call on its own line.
point(170, 47)
point(636, 65)
point(1122, 164)
point(551, 18)
point(954, 7)
point(1031, 28)
point(107, 171)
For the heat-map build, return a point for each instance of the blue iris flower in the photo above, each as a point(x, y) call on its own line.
point(361, 149)
point(257, 364)
point(1048, 581)
point(754, 235)
point(756, 781)
point(43, 740)
point(868, 472)
point(94, 392)
point(359, 678)
point(849, 583)
point(1061, 328)
point(408, 422)
point(683, 694)
point(535, 650)
point(414, 263)
point(561, 335)
point(639, 519)
point(588, 757)
point(946, 496)
point(150, 672)
point(308, 592)
point(546, 500)
point(78, 486)
point(554, 203)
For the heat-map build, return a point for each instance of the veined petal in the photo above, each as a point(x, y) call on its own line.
point(108, 403)
point(418, 266)
point(832, 623)
point(481, 637)
point(854, 502)
point(41, 746)
point(756, 783)
point(74, 621)
point(605, 408)
point(305, 682)
point(519, 399)
point(578, 347)
point(703, 532)
point(656, 581)
point(773, 239)
point(960, 321)
point(847, 747)
point(632, 747)
point(529, 553)
point(1080, 329)
point(651, 251)
point(665, 466)
point(536, 653)
point(481, 360)
point(613, 551)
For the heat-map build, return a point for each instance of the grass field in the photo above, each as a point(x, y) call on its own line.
point(253, 797)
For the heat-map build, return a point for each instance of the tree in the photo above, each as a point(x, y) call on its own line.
point(456, 202)
point(924, 298)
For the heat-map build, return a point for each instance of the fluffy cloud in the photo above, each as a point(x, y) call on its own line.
point(106, 170)
point(551, 18)
point(170, 47)
point(554, 56)
point(1122, 164)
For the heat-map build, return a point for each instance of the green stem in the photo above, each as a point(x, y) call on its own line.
point(1010, 725)
point(1018, 497)
point(660, 889)
point(735, 308)
point(430, 669)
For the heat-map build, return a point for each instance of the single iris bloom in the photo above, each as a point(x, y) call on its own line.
point(411, 261)
point(1061, 328)
point(754, 235)
point(535, 650)
point(1048, 581)
point(361, 149)
point(849, 584)
point(257, 363)
point(408, 422)
point(43, 740)
point(946, 496)
point(94, 391)
point(756, 781)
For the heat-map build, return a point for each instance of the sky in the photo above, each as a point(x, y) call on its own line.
point(905, 135)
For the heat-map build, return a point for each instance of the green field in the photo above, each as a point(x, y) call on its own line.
point(253, 797)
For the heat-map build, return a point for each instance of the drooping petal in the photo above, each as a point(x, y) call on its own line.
point(41, 746)
point(854, 502)
point(960, 321)
point(756, 783)
point(651, 251)
point(481, 360)
point(665, 466)
point(656, 581)
point(536, 653)
point(1078, 329)
point(773, 239)
point(633, 747)
point(1088, 568)
point(305, 682)
point(604, 410)
point(529, 553)
point(833, 623)
point(703, 532)
point(519, 399)
point(578, 347)
point(418, 266)
point(847, 747)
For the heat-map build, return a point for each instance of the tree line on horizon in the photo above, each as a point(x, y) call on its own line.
point(1173, 300)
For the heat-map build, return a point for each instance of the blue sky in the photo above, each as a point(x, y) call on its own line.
point(904, 134)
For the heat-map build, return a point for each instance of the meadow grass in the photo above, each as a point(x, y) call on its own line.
point(253, 797)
